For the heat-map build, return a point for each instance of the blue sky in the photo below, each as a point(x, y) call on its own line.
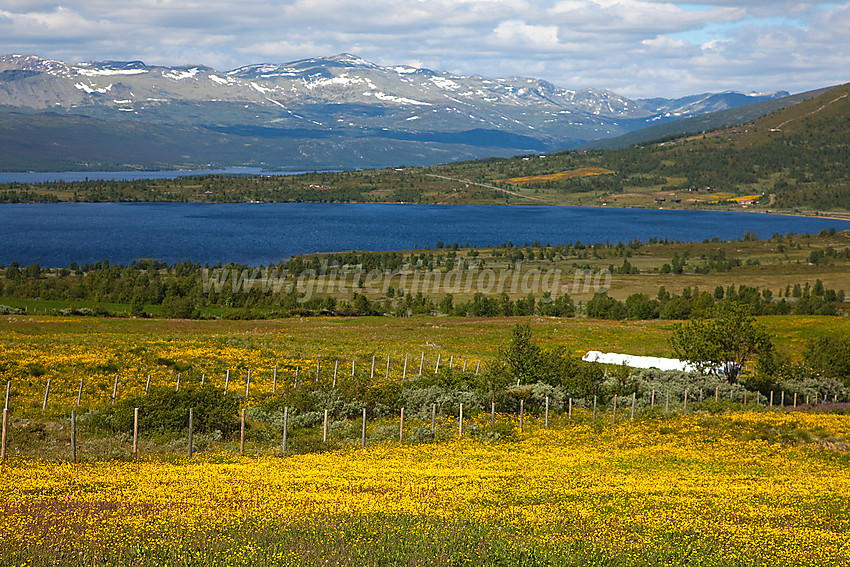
point(638, 48)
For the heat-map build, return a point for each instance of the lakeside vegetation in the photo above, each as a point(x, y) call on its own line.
point(799, 274)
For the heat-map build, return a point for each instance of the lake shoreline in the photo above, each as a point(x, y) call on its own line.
point(57, 234)
point(831, 215)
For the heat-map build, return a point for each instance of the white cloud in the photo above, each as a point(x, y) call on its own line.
point(634, 47)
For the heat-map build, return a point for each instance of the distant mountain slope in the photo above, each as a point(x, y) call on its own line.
point(337, 111)
point(703, 122)
point(796, 158)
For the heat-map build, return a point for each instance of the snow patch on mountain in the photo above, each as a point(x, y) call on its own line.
point(179, 75)
point(91, 89)
point(108, 72)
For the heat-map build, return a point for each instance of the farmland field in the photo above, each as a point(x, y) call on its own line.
point(724, 484)
point(742, 488)
point(34, 349)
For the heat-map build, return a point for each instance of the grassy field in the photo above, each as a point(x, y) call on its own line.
point(724, 485)
point(34, 349)
point(762, 488)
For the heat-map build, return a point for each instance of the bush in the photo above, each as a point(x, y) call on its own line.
point(830, 357)
point(167, 411)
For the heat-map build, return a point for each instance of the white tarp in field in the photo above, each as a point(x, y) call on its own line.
point(639, 361)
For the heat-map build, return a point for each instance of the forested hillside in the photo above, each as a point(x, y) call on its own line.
point(795, 159)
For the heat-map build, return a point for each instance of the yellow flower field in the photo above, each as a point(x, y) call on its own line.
point(695, 490)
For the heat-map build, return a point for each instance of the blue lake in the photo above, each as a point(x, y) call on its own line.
point(59, 234)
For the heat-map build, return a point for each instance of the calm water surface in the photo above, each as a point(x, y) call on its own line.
point(254, 234)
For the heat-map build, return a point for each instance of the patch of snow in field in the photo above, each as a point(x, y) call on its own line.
point(639, 361)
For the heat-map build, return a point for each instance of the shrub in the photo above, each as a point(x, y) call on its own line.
point(167, 411)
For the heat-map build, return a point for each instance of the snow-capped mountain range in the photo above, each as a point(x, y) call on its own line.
point(345, 96)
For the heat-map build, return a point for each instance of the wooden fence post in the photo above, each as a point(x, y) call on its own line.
point(795, 399)
point(667, 403)
point(242, 433)
point(5, 425)
point(614, 415)
point(716, 392)
point(372, 372)
point(285, 427)
point(248, 384)
point(336, 367)
point(46, 394)
point(401, 427)
point(387, 375)
point(203, 379)
point(191, 430)
point(352, 368)
point(8, 388)
point(460, 422)
point(318, 368)
point(421, 362)
point(594, 407)
point(147, 384)
point(115, 390)
point(274, 380)
point(363, 431)
point(492, 414)
point(437, 367)
point(652, 400)
point(782, 399)
point(178, 383)
point(451, 362)
point(633, 406)
point(226, 380)
point(73, 435)
point(546, 421)
point(297, 368)
point(325, 428)
point(80, 392)
point(433, 417)
point(771, 398)
point(135, 431)
point(521, 412)
point(404, 372)
point(570, 414)
point(477, 367)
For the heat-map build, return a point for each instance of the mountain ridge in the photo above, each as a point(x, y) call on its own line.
point(332, 102)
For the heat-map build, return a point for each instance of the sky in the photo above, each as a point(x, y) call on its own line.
point(636, 48)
